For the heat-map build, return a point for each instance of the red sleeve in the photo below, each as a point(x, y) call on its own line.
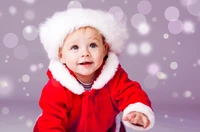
point(53, 104)
point(127, 91)
point(129, 96)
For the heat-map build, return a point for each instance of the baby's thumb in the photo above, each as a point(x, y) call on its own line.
point(125, 118)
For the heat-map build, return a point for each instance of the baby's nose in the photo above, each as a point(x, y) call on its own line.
point(85, 53)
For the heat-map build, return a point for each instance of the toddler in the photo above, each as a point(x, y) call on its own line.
point(87, 87)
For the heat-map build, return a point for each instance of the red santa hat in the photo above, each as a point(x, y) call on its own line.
point(55, 29)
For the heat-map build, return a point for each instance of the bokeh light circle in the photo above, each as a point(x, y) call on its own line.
point(145, 48)
point(171, 13)
point(153, 69)
point(161, 76)
point(137, 19)
point(166, 36)
point(29, 15)
point(30, 32)
point(74, 4)
point(187, 94)
point(25, 78)
point(29, 123)
point(5, 110)
point(21, 52)
point(117, 12)
point(132, 49)
point(144, 7)
point(175, 27)
point(10, 40)
point(173, 65)
point(6, 87)
point(12, 10)
point(193, 7)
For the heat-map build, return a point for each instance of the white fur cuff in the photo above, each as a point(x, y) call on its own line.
point(139, 107)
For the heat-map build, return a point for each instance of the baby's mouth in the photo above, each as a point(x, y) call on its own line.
point(85, 63)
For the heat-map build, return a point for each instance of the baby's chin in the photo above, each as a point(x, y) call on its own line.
point(85, 73)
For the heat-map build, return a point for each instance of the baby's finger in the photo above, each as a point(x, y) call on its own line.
point(137, 120)
point(129, 117)
point(145, 121)
point(132, 115)
point(125, 118)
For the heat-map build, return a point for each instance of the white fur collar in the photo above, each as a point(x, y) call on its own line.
point(62, 74)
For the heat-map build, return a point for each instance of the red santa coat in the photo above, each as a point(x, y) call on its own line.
point(66, 107)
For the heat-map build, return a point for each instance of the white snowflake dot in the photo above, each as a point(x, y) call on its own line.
point(187, 94)
point(33, 68)
point(40, 66)
point(198, 61)
point(12, 10)
point(143, 28)
point(6, 61)
point(161, 76)
point(25, 78)
point(29, 123)
point(174, 65)
point(145, 48)
point(194, 65)
point(21, 117)
point(166, 36)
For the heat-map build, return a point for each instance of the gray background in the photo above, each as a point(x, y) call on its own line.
point(175, 99)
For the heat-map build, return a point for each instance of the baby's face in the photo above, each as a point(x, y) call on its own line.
point(83, 51)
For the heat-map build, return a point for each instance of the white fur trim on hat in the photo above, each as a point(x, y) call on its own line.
point(55, 29)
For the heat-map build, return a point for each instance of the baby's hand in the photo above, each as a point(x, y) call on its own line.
point(137, 118)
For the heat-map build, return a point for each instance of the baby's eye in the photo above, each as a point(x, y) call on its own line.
point(74, 47)
point(93, 45)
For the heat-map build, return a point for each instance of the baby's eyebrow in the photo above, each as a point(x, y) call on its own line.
point(71, 42)
point(94, 38)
